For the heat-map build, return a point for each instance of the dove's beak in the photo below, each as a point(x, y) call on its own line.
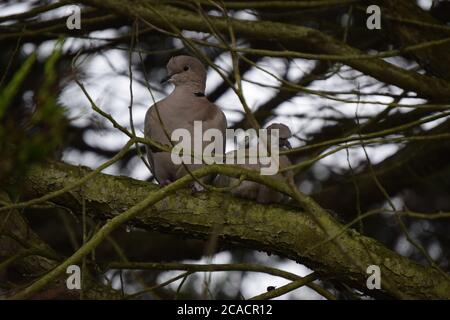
point(166, 79)
point(286, 144)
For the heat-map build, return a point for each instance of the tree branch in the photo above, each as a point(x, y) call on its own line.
point(275, 229)
point(287, 34)
point(35, 257)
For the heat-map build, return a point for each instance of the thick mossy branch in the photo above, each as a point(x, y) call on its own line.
point(276, 229)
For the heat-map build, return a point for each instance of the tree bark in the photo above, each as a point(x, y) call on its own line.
point(272, 228)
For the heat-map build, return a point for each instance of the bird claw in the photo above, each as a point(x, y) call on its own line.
point(165, 183)
point(196, 188)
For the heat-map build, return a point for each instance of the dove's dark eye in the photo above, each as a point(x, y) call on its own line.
point(186, 68)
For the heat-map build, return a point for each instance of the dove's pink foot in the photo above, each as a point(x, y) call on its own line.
point(165, 183)
point(196, 187)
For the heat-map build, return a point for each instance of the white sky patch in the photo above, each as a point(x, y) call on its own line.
point(138, 170)
point(79, 110)
point(223, 62)
point(398, 204)
point(356, 155)
point(245, 15)
point(46, 49)
point(275, 66)
point(64, 11)
point(109, 61)
point(336, 82)
point(299, 67)
point(216, 277)
point(434, 250)
point(112, 93)
point(254, 283)
point(231, 101)
point(403, 246)
point(28, 48)
point(425, 4)
point(8, 9)
point(401, 62)
point(257, 283)
point(73, 44)
point(178, 43)
point(111, 141)
point(433, 124)
point(104, 34)
point(215, 13)
point(410, 102)
point(88, 159)
point(306, 187)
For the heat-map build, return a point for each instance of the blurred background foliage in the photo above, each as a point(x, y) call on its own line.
point(33, 124)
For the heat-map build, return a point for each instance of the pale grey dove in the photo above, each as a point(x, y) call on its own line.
point(255, 191)
point(187, 103)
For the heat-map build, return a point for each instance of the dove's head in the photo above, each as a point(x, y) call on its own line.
point(186, 71)
point(284, 133)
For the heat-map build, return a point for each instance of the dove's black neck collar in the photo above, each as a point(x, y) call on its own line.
point(199, 94)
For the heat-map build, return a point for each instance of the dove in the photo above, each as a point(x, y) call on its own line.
point(187, 103)
point(253, 190)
